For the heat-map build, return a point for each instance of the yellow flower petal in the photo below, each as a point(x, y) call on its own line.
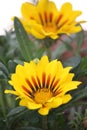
point(29, 105)
point(36, 33)
point(56, 101)
point(69, 86)
point(11, 92)
point(46, 7)
point(28, 11)
point(66, 98)
point(43, 111)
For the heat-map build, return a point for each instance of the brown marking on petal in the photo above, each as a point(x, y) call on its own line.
point(57, 91)
point(52, 83)
point(51, 17)
point(48, 81)
point(62, 24)
point(41, 19)
point(38, 80)
point(30, 85)
point(35, 83)
point(59, 18)
point(43, 79)
point(27, 94)
point(31, 17)
point(26, 90)
point(55, 83)
point(45, 16)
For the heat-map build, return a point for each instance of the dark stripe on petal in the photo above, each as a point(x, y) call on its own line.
point(59, 18)
point(26, 90)
point(62, 24)
point(51, 17)
point(35, 83)
point(32, 17)
point(57, 91)
point(48, 81)
point(41, 19)
point(52, 83)
point(38, 80)
point(45, 15)
point(30, 85)
point(43, 79)
point(55, 84)
point(27, 94)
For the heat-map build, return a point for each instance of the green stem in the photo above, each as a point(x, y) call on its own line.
point(48, 43)
point(48, 53)
point(44, 123)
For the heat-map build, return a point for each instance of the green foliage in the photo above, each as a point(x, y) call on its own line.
point(82, 68)
point(28, 50)
point(24, 42)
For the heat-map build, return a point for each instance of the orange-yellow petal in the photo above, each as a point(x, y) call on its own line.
point(30, 105)
point(43, 111)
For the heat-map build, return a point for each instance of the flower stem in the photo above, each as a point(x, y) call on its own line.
point(44, 123)
point(48, 52)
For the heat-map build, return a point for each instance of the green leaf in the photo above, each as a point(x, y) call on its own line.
point(23, 114)
point(80, 93)
point(81, 69)
point(26, 46)
point(3, 70)
point(29, 128)
point(59, 50)
point(3, 102)
point(14, 115)
point(73, 61)
point(67, 42)
point(83, 64)
point(39, 52)
point(79, 38)
point(11, 66)
point(16, 111)
point(3, 124)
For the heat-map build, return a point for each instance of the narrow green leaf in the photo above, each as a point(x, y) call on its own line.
point(83, 64)
point(73, 61)
point(2, 100)
point(79, 39)
point(26, 45)
point(16, 111)
point(11, 66)
point(14, 115)
point(81, 69)
point(4, 70)
point(29, 128)
point(79, 94)
point(39, 52)
point(59, 50)
point(67, 43)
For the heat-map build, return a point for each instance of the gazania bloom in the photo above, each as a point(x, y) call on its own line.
point(42, 84)
point(45, 20)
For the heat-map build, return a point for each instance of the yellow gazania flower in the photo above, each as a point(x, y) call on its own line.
point(42, 85)
point(45, 20)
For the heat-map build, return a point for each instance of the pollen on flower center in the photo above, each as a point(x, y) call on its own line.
point(42, 95)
